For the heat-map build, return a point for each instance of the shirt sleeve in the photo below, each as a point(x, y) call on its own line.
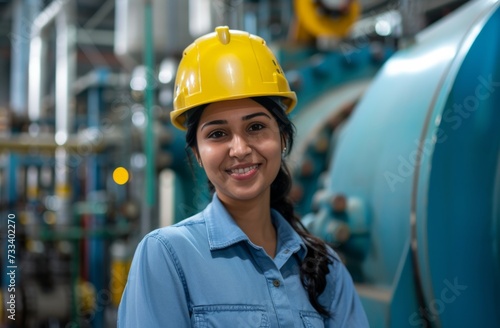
point(154, 295)
point(346, 308)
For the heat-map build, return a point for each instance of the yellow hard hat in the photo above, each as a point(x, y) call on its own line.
point(227, 64)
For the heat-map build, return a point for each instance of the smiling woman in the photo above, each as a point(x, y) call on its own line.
point(245, 260)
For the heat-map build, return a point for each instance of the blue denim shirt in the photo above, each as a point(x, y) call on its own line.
point(205, 272)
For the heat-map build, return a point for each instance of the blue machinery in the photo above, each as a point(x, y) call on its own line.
point(412, 196)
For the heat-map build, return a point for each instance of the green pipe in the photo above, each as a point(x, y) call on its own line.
point(149, 103)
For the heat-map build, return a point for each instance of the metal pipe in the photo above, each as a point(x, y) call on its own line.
point(47, 16)
point(38, 56)
point(65, 70)
point(65, 76)
point(24, 11)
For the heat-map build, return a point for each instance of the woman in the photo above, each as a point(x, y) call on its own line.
point(245, 260)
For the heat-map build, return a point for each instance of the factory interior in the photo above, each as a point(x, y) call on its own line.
point(396, 162)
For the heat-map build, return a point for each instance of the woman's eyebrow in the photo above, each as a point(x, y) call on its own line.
point(249, 117)
point(244, 118)
point(215, 122)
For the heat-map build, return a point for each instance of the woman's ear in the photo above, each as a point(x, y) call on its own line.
point(196, 155)
point(283, 141)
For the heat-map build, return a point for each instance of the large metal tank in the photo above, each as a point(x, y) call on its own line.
point(418, 163)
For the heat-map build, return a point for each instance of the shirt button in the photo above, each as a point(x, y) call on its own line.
point(276, 283)
point(286, 251)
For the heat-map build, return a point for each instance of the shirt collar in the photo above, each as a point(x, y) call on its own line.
point(223, 231)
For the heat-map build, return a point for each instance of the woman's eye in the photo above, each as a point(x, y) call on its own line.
point(256, 127)
point(216, 134)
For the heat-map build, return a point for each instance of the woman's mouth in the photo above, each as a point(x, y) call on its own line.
point(243, 172)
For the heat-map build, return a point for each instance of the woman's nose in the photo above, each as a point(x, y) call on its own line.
point(239, 147)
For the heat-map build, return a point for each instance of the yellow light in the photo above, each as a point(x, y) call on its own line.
point(120, 175)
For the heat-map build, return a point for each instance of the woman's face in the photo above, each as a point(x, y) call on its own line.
point(239, 146)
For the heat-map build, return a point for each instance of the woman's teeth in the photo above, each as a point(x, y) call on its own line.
point(243, 170)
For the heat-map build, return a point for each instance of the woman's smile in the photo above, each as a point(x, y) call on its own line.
point(243, 172)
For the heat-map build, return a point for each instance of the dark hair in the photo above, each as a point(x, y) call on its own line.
point(314, 267)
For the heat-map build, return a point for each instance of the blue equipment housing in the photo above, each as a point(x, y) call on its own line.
point(416, 174)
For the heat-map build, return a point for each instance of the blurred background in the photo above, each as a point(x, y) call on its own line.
point(396, 162)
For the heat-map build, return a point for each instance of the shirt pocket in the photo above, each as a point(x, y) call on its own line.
point(312, 319)
point(230, 315)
